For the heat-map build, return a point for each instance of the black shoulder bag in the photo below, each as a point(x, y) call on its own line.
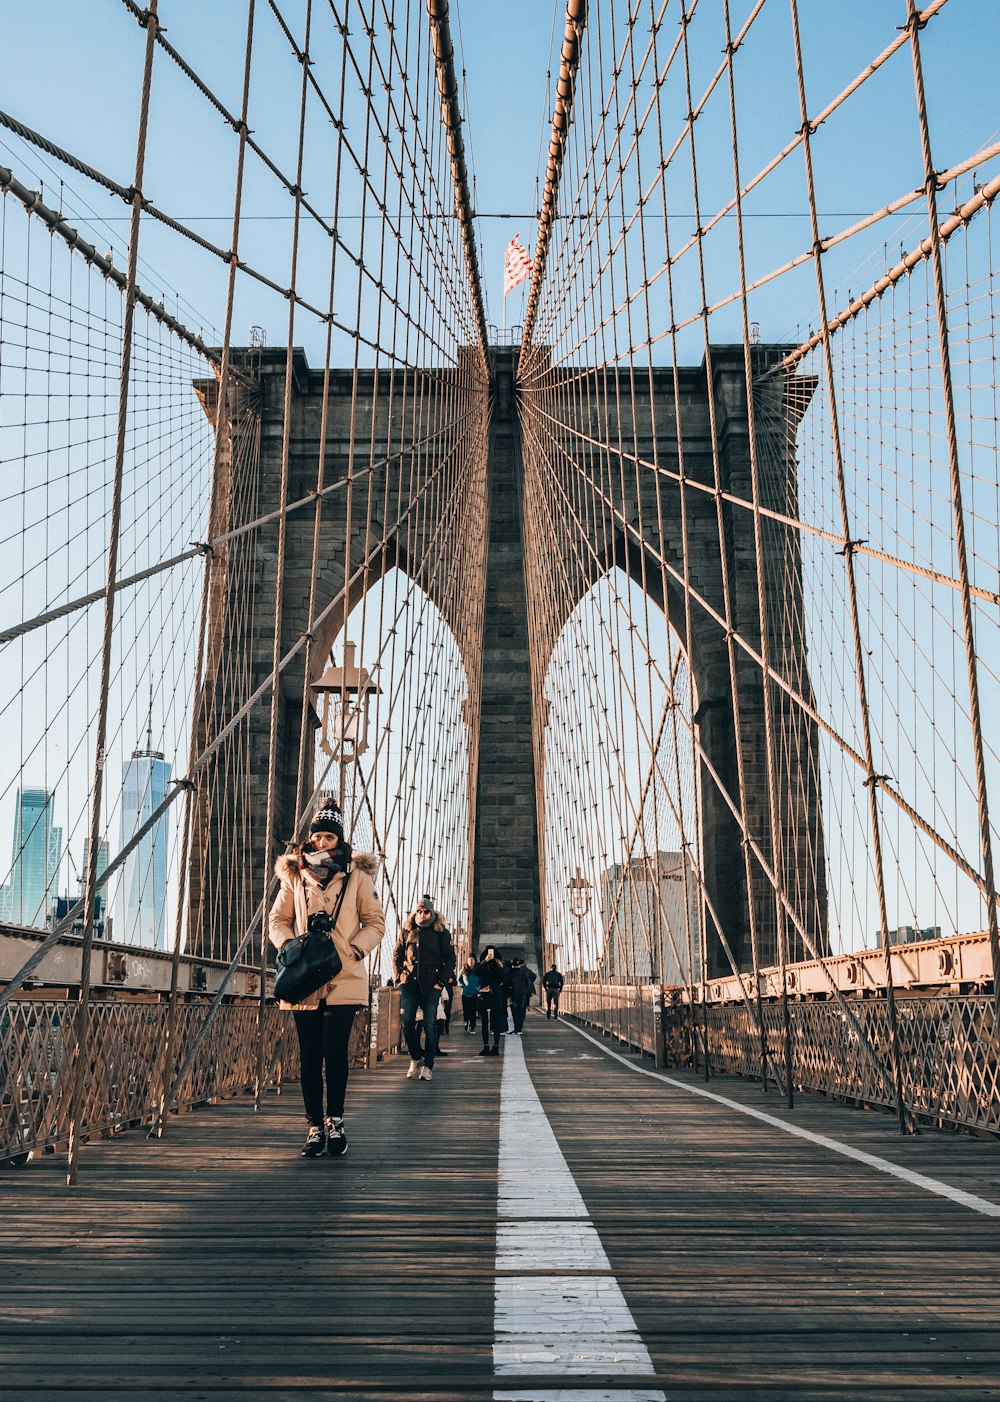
point(309, 961)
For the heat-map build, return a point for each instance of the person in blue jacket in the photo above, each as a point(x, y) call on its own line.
point(468, 982)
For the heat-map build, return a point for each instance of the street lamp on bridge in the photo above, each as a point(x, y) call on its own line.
point(346, 693)
point(579, 888)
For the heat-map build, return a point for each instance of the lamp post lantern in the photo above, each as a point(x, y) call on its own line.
point(344, 717)
point(578, 889)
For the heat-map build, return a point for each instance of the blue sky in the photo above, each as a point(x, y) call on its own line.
point(75, 78)
point(73, 73)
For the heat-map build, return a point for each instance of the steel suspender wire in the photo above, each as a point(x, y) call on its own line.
point(83, 1017)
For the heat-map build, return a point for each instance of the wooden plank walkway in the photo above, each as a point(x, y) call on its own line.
point(217, 1264)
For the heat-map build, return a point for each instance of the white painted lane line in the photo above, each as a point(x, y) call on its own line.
point(894, 1170)
point(531, 1246)
point(573, 1319)
point(555, 1302)
point(589, 1394)
point(569, 1353)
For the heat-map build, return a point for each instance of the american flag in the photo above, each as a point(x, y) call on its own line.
point(516, 264)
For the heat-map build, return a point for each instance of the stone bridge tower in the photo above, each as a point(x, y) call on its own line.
point(505, 837)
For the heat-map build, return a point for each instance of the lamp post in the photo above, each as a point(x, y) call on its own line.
point(344, 718)
point(578, 889)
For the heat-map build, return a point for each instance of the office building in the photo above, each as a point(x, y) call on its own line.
point(35, 856)
point(141, 906)
point(646, 932)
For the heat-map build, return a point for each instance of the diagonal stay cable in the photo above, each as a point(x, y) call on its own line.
point(207, 547)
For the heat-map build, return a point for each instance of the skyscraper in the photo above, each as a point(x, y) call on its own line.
point(35, 856)
point(141, 915)
point(646, 927)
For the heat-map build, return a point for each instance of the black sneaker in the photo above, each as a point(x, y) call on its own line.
point(485, 1051)
point(315, 1140)
point(336, 1139)
point(494, 1051)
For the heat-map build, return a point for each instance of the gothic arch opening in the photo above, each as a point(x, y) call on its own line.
point(407, 795)
point(622, 853)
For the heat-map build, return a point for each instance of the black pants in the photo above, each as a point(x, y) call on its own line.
point(324, 1036)
point(518, 1009)
point(470, 1007)
point(491, 1023)
point(551, 1003)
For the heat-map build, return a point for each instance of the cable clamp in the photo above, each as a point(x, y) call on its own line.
point(873, 780)
point(807, 128)
point(204, 547)
point(188, 785)
point(850, 546)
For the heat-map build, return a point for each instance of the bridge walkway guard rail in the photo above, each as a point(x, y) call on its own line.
point(126, 1044)
point(951, 1069)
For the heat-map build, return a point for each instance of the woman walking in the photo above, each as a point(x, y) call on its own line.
point(494, 989)
point(468, 982)
point(324, 876)
point(423, 962)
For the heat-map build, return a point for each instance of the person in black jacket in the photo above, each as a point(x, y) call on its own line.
point(494, 990)
point(423, 961)
point(522, 985)
point(552, 982)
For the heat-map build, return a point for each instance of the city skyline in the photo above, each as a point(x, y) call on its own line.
point(36, 855)
point(37, 890)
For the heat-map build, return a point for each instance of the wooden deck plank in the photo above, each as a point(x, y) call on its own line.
point(808, 1274)
point(754, 1264)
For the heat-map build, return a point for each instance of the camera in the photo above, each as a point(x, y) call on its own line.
point(321, 923)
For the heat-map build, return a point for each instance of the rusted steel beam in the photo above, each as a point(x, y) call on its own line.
point(569, 63)
point(451, 116)
point(129, 970)
point(962, 216)
point(33, 203)
point(923, 964)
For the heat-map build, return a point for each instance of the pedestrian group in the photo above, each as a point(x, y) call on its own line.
point(327, 909)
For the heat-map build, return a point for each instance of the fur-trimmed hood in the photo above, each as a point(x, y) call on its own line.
point(288, 866)
point(359, 927)
point(410, 926)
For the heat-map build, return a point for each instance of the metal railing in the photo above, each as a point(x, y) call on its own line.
point(125, 1073)
point(630, 1014)
point(384, 1024)
point(125, 1055)
point(949, 1045)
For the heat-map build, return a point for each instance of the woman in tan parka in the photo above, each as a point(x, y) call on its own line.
point(312, 879)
